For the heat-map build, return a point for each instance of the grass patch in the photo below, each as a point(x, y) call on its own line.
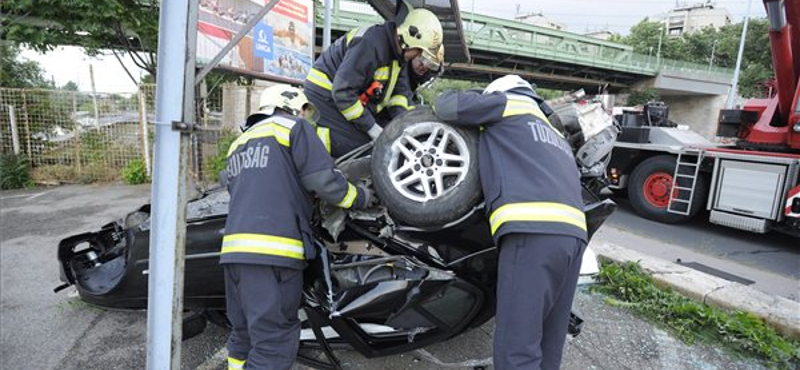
point(14, 172)
point(691, 321)
point(135, 173)
point(69, 174)
point(76, 304)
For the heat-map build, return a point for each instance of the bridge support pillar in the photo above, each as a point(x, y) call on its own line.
point(699, 112)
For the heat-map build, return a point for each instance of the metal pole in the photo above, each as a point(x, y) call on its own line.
point(658, 52)
point(94, 97)
point(177, 31)
point(326, 30)
point(27, 123)
point(711, 61)
point(12, 117)
point(77, 133)
point(735, 83)
point(472, 18)
point(145, 133)
point(239, 36)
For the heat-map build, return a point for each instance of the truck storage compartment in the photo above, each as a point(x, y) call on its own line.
point(749, 189)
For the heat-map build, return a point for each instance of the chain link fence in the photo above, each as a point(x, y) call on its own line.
point(84, 137)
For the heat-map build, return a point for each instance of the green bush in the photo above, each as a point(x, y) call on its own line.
point(134, 173)
point(692, 321)
point(219, 161)
point(14, 172)
point(641, 97)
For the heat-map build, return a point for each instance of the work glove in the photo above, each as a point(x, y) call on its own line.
point(370, 200)
point(375, 131)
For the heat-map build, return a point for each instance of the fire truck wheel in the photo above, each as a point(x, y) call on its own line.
point(650, 187)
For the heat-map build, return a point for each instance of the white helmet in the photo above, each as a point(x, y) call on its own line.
point(508, 83)
point(285, 97)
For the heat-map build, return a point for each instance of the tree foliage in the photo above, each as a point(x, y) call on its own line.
point(443, 84)
point(641, 97)
point(18, 72)
point(122, 26)
point(697, 47)
point(70, 86)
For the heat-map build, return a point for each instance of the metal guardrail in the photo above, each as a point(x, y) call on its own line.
point(499, 35)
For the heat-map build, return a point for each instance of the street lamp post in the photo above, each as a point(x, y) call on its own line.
point(660, 39)
point(713, 49)
point(735, 83)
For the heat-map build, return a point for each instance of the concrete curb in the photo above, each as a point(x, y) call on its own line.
point(780, 313)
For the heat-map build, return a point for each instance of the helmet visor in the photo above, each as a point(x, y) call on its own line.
point(429, 60)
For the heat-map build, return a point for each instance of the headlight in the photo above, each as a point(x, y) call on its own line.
point(796, 127)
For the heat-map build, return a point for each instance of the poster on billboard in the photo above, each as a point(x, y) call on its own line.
point(279, 47)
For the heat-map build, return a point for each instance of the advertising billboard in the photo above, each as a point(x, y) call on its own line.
point(279, 47)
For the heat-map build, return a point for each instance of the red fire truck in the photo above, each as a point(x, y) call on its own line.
point(670, 173)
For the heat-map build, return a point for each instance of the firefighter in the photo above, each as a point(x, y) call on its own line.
point(272, 169)
point(533, 199)
point(421, 73)
point(416, 74)
point(356, 77)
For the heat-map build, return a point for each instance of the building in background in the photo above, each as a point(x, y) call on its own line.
point(601, 35)
point(685, 18)
point(538, 19)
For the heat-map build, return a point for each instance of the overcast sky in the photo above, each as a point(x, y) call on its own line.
point(70, 64)
point(614, 15)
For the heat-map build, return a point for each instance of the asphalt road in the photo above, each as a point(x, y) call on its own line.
point(43, 330)
point(770, 261)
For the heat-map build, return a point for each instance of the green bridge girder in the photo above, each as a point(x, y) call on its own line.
point(552, 58)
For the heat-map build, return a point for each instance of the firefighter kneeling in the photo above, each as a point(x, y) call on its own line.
point(273, 168)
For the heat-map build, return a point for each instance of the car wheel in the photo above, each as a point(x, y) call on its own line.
point(425, 171)
point(650, 186)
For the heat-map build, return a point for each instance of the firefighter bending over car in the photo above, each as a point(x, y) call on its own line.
point(365, 72)
point(273, 168)
point(532, 190)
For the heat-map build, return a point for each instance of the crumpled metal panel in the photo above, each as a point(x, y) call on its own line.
point(214, 203)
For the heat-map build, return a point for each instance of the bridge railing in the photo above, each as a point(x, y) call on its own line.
point(486, 33)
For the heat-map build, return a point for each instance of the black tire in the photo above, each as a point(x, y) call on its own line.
point(647, 205)
point(461, 192)
point(194, 324)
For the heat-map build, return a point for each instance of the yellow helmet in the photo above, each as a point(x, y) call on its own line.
point(421, 29)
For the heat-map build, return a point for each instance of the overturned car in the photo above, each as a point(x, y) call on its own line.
point(418, 269)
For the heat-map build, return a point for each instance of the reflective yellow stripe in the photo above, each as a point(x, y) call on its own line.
point(354, 111)
point(356, 32)
point(324, 134)
point(263, 244)
point(349, 198)
point(518, 107)
point(320, 79)
point(387, 93)
point(399, 101)
point(537, 212)
point(351, 34)
point(382, 73)
point(280, 133)
point(234, 364)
